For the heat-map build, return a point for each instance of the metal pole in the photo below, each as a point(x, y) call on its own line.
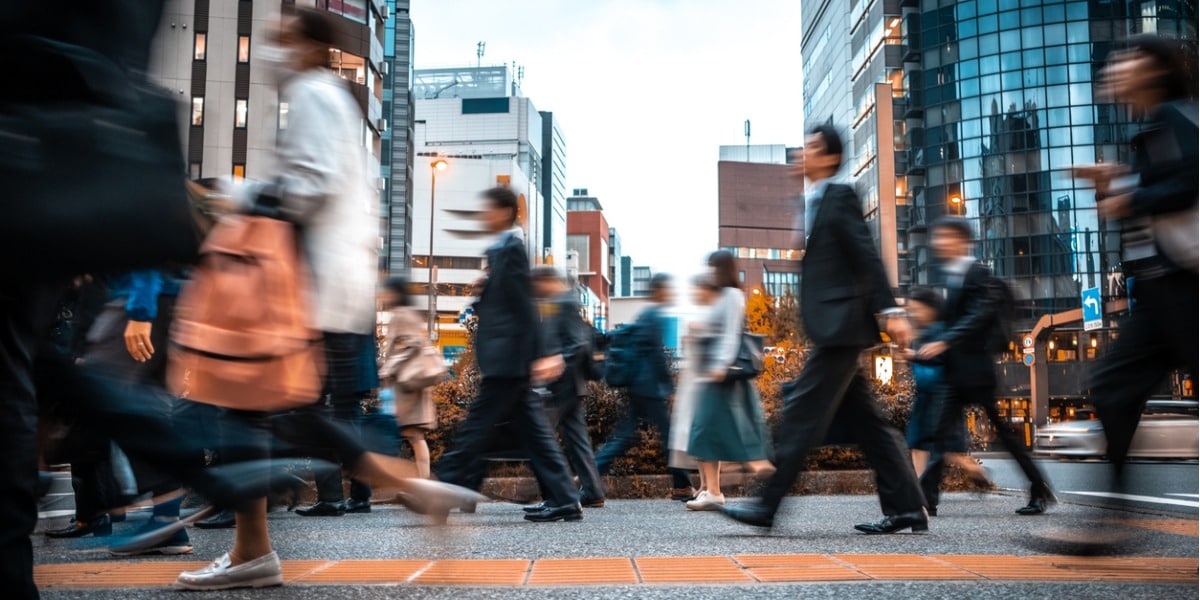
point(432, 284)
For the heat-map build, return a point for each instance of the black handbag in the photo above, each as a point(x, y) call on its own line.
point(749, 361)
point(91, 166)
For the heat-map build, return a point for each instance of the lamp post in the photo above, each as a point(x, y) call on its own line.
point(957, 203)
point(434, 166)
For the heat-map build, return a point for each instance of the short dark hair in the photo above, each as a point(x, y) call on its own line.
point(315, 25)
point(958, 225)
point(503, 197)
point(927, 296)
point(660, 281)
point(725, 270)
point(545, 272)
point(830, 138)
point(398, 284)
point(1179, 80)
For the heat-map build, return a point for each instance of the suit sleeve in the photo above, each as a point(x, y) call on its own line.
point(981, 309)
point(859, 247)
point(1178, 156)
point(573, 330)
point(516, 288)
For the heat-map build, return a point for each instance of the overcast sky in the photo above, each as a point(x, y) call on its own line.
point(646, 91)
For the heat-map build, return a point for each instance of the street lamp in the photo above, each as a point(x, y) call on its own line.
point(434, 166)
point(956, 202)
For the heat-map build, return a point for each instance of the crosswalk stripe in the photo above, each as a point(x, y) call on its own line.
point(1137, 498)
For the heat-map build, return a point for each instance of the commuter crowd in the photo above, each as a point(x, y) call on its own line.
point(231, 372)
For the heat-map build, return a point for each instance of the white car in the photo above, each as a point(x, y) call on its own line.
point(1168, 429)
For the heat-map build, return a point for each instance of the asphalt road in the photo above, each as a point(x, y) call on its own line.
point(1169, 487)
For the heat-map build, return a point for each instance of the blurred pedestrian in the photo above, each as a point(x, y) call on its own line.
point(1158, 220)
point(924, 305)
point(691, 371)
point(971, 318)
point(416, 413)
point(511, 357)
point(566, 333)
point(728, 424)
point(843, 290)
point(651, 384)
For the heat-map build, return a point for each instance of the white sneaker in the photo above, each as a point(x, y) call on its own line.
point(264, 571)
point(706, 501)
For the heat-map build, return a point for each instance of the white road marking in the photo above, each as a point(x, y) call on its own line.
point(1136, 498)
point(54, 514)
point(1184, 495)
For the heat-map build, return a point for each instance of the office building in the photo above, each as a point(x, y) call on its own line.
point(588, 241)
point(614, 264)
point(640, 286)
point(396, 160)
point(553, 186)
point(625, 275)
point(758, 206)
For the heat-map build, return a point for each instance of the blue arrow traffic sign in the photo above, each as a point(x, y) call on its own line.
point(1093, 309)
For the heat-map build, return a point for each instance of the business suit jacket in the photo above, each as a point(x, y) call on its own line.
point(653, 379)
point(844, 285)
point(969, 314)
point(565, 332)
point(509, 338)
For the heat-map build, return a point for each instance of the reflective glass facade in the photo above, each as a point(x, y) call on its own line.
point(1000, 100)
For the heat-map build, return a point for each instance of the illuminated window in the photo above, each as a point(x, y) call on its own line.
point(201, 47)
point(240, 110)
point(198, 111)
point(239, 172)
point(243, 48)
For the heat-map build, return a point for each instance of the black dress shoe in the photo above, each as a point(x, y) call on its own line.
point(535, 508)
point(549, 514)
point(222, 520)
point(931, 510)
point(1040, 498)
point(358, 506)
point(917, 521)
point(98, 527)
point(323, 509)
point(751, 514)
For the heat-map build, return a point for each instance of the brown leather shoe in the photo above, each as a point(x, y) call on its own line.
point(683, 494)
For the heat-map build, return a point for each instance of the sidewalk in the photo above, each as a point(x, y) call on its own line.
point(648, 548)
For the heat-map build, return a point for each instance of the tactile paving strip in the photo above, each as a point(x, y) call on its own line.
point(746, 568)
point(1175, 526)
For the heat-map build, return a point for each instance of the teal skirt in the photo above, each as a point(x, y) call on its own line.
point(728, 424)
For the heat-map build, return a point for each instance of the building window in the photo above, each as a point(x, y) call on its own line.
point(198, 111)
point(201, 46)
point(194, 170)
point(240, 109)
point(239, 172)
point(243, 48)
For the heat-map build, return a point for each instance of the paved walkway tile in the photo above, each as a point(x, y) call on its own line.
point(742, 568)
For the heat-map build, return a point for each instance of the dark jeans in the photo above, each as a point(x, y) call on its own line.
point(569, 417)
point(1156, 337)
point(959, 398)
point(652, 411)
point(501, 400)
point(830, 385)
point(329, 480)
point(350, 373)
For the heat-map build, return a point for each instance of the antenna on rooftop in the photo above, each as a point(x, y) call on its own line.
point(479, 48)
point(747, 140)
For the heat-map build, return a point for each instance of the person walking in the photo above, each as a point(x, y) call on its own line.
point(1158, 230)
point(843, 290)
point(416, 412)
point(728, 424)
point(691, 370)
point(971, 320)
point(510, 353)
point(650, 387)
point(567, 334)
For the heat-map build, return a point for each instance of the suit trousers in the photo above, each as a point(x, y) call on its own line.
point(500, 400)
point(831, 384)
point(1156, 337)
point(652, 411)
point(958, 398)
point(569, 416)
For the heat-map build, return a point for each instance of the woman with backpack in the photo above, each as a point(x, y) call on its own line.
point(728, 424)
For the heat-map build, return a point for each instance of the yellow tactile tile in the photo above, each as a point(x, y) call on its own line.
point(691, 569)
point(907, 567)
point(579, 571)
point(776, 568)
point(367, 571)
point(476, 572)
point(1175, 526)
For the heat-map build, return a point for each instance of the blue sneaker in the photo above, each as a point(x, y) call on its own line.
point(142, 542)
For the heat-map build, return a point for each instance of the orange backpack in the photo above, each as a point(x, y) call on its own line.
point(242, 336)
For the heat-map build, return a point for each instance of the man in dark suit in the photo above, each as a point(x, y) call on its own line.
point(651, 386)
point(508, 349)
point(566, 334)
point(971, 321)
point(843, 290)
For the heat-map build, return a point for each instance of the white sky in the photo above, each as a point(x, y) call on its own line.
point(646, 91)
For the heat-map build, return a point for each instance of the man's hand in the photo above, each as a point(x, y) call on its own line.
point(717, 375)
point(899, 330)
point(549, 368)
point(932, 350)
point(1115, 207)
point(137, 340)
point(1101, 174)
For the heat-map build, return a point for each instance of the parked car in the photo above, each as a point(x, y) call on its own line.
point(1168, 429)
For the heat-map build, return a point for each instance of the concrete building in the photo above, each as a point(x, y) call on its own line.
point(640, 284)
point(396, 161)
point(554, 188)
point(825, 51)
point(588, 241)
point(614, 263)
point(230, 112)
point(625, 274)
point(758, 204)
